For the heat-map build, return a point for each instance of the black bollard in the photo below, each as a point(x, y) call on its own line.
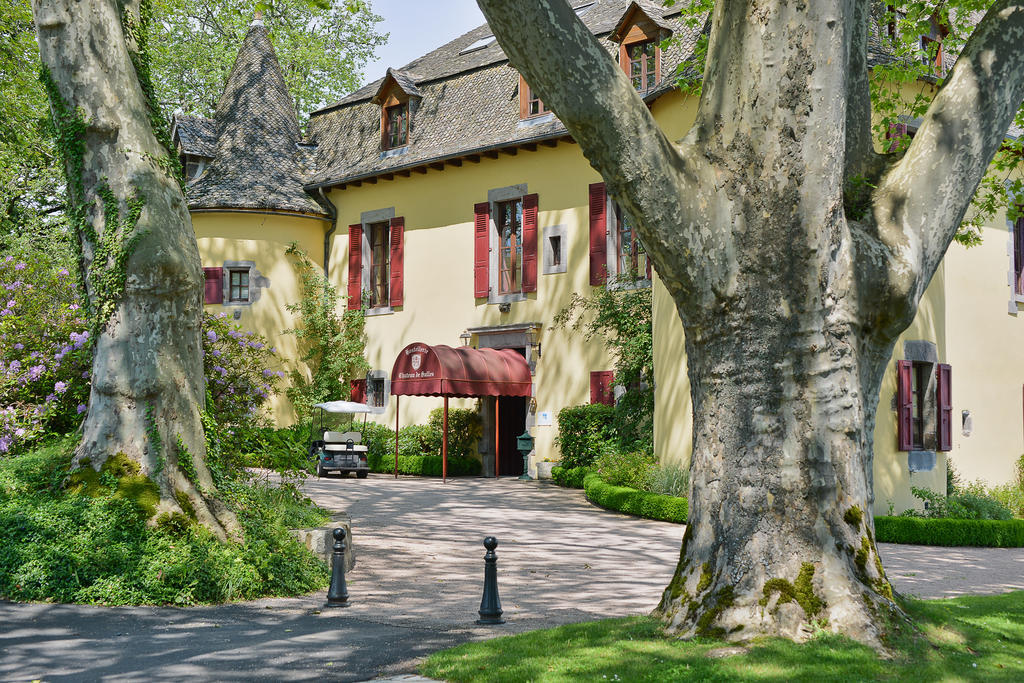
point(337, 595)
point(490, 604)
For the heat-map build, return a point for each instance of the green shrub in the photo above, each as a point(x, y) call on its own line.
point(634, 420)
point(569, 477)
point(669, 480)
point(380, 445)
point(972, 502)
point(632, 470)
point(464, 430)
point(584, 433)
point(987, 533)
point(634, 502)
point(99, 548)
point(283, 450)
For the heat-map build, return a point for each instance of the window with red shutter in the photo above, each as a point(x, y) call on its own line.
point(944, 403)
point(481, 249)
point(1018, 256)
point(598, 236)
point(213, 287)
point(904, 405)
point(601, 387)
point(397, 261)
point(355, 267)
point(530, 210)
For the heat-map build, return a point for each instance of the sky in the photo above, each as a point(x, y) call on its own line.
point(416, 28)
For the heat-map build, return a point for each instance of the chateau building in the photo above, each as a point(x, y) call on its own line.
point(455, 209)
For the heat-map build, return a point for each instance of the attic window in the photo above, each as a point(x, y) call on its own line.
point(640, 48)
point(396, 125)
point(477, 45)
point(529, 104)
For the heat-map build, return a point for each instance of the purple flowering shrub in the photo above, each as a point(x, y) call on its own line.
point(46, 356)
point(45, 353)
point(239, 371)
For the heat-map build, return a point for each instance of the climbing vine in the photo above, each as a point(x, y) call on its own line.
point(103, 258)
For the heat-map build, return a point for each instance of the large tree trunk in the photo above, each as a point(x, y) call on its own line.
point(139, 259)
point(790, 305)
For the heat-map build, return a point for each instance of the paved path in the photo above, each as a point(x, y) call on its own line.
point(416, 588)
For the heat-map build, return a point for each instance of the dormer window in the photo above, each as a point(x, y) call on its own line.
point(643, 64)
point(640, 35)
point(396, 125)
point(529, 103)
point(397, 97)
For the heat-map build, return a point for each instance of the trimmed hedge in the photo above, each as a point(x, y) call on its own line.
point(569, 477)
point(984, 533)
point(634, 502)
point(423, 465)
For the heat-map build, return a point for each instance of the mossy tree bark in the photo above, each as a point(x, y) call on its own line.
point(791, 300)
point(139, 257)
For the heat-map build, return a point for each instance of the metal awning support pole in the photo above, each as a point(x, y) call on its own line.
point(397, 401)
point(444, 445)
point(497, 448)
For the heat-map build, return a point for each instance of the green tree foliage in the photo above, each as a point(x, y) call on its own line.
point(322, 46)
point(30, 176)
point(621, 318)
point(903, 32)
point(331, 345)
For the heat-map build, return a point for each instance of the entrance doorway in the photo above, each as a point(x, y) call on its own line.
point(511, 424)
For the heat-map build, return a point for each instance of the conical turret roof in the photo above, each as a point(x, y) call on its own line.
point(258, 163)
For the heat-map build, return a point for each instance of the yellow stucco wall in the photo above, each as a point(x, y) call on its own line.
point(438, 272)
point(262, 239)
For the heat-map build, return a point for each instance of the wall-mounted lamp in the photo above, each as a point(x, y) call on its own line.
point(465, 338)
point(532, 337)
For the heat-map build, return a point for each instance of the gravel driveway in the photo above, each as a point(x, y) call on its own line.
point(416, 589)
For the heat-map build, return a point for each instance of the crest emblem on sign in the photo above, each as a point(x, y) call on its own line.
point(416, 360)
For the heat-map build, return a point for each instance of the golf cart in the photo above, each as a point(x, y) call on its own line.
point(338, 451)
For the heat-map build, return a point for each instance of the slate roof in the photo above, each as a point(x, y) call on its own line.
point(197, 135)
point(469, 102)
point(258, 163)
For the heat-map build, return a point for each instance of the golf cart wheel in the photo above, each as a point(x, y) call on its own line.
point(320, 471)
point(362, 474)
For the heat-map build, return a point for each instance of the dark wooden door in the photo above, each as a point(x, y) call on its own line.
point(511, 423)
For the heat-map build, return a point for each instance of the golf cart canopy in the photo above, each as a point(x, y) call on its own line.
point(343, 407)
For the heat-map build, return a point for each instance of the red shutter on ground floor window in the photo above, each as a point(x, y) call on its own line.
point(598, 236)
point(397, 261)
point(213, 292)
point(904, 405)
point(355, 267)
point(358, 391)
point(530, 243)
point(1018, 256)
point(481, 248)
point(601, 387)
point(944, 402)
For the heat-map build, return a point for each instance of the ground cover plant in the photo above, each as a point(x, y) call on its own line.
point(89, 540)
point(968, 638)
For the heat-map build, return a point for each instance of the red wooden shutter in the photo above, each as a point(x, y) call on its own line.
point(397, 261)
point(358, 391)
point(944, 401)
point(601, 387)
point(213, 292)
point(904, 406)
point(530, 243)
point(481, 249)
point(355, 267)
point(1018, 256)
point(598, 238)
point(896, 131)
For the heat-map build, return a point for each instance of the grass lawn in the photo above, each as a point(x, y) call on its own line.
point(971, 638)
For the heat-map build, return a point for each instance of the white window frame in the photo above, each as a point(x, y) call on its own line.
point(495, 197)
point(368, 218)
point(612, 251)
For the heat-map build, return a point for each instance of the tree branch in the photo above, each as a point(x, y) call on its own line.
point(922, 200)
point(861, 159)
point(648, 175)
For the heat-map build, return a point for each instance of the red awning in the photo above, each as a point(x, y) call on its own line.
point(422, 370)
